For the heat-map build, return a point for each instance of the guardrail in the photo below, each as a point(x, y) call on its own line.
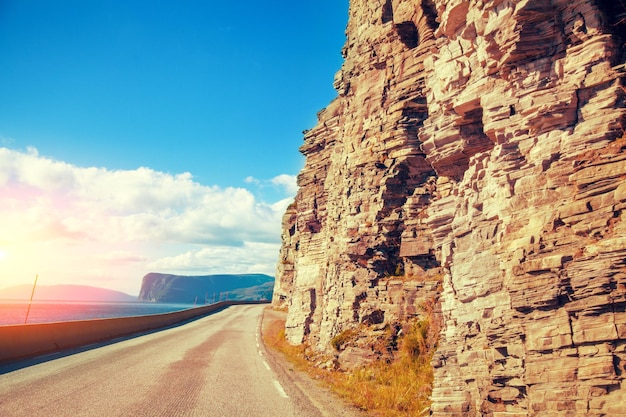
point(25, 341)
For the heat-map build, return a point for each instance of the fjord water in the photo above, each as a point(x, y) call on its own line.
point(14, 312)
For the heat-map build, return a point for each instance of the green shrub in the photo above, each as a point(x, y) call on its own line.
point(342, 338)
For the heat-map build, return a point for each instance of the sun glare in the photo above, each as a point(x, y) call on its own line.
point(3, 255)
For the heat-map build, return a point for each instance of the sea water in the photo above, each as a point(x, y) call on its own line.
point(14, 312)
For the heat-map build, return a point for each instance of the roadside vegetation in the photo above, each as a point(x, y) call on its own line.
point(393, 386)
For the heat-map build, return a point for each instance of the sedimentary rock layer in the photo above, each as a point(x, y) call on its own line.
point(481, 144)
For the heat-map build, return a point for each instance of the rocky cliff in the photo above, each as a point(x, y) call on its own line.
point(474, 154)
point(205, 289)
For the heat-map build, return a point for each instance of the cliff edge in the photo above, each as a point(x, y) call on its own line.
point(205, 289)
point(475, 156)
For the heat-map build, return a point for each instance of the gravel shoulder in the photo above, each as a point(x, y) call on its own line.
point(298, 383)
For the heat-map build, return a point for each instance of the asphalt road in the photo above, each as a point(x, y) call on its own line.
point(214, 366)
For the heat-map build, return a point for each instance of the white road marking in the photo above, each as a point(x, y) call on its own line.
point(280, 389)
point(266, 365)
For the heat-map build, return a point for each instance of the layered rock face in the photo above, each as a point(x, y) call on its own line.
point(482, 142)
point(365, 176)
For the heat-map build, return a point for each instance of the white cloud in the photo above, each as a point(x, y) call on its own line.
point(288, 184)
point(125, 223)
point(249, 258)
point(122, 257)
point(252, 180)
point(140, 204)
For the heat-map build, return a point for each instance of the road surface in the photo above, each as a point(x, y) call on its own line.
point(214, 366)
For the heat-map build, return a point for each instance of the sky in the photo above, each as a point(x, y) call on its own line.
point(155, 136)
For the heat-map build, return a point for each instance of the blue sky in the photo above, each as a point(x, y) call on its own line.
point(139, 96)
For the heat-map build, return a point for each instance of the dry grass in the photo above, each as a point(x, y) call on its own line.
point(274, 336)
point(401, 387)
point(338, 341)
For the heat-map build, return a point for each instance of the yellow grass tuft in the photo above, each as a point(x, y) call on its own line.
point(400, 387)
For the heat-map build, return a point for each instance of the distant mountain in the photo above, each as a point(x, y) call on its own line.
point(64, 292)
point(166, 288)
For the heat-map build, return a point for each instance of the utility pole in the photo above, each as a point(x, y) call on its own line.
point(31, 299)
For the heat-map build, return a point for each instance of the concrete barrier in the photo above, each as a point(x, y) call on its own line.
point(24, 341)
